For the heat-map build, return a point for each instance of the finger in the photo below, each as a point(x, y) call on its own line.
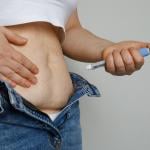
point(145, 45)
point(11, 75)
point(20, 58)
point(13, 37)
point(148, 45)
point(119, 64)
point(138, 59)
point(2, 77)
point(128, 61)
point(110, 67)
point(21, 70)
point(106, 52)
point(140, 44)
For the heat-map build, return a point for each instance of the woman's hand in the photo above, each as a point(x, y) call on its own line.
point(124, 58)
point(15, 68)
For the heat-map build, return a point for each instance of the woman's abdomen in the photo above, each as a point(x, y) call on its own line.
point(43, 49)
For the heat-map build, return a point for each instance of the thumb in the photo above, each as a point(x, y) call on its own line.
point(143, 45)
point(14, 38)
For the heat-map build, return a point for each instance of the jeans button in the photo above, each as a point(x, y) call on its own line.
point(68, 114)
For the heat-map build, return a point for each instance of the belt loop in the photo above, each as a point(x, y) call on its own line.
point(68, 112)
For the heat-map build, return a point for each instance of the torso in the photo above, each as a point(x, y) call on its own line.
point(43, 48)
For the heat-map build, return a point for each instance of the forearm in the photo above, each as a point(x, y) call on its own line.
point(82, 45)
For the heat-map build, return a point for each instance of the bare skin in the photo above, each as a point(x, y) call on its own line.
point(14, 66)
point(44, 50)
point(122, 58)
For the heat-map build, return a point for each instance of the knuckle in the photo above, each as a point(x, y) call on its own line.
point(110, 69)
point(130, 73)
point(121, 68)
point(130, 70)
point(18, 68)
point(140, 60)
point(138, 67)
point(123, 51)
point(23, 60)
point(111, 72)
point(22, 81)
point(10, 74)
point(108, 59)
point(106, 53)
point(25, 82)
point(114, 52)
point(129, 63)
point(17, 56)
point(131, 49)
point(120, 74)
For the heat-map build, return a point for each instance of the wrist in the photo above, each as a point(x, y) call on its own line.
point(102, 47)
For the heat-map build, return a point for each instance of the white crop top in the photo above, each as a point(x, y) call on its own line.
point(56, 12)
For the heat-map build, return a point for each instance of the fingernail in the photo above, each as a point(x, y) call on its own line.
point(36, 70)
point(13, 84)
point(27, 84)
point(34, 80)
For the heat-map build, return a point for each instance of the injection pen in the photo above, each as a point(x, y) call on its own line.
point(143, 51)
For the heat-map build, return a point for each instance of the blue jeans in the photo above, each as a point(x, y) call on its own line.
point(24, 127)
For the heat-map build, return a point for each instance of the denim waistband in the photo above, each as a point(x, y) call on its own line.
point(80, 84)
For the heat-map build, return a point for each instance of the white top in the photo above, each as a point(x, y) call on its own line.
point(53, 116)
point(56, 12)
